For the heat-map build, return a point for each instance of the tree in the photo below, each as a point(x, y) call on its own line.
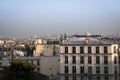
point(20, 70)
point(0, 58)
point(30, 49)
point(21, 65)
point(0, 62)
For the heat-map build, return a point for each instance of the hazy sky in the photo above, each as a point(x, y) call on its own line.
point(23, 18)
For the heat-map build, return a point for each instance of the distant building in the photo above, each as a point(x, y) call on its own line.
point(1, 42)
point(89, 57)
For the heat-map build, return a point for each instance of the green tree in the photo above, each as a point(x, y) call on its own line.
point(20, 70)
point(30, 49)
point(0, 62)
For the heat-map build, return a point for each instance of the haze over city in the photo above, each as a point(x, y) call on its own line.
point(23, 18)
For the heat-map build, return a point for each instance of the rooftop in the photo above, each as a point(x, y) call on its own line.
point(27, 58)
point(87, 39)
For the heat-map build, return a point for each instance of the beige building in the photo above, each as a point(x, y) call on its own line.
point(88, 57)
point(50, 66)
point(45, 49)
point(39, 49)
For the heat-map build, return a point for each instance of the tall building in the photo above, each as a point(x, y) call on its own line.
point(88, 57)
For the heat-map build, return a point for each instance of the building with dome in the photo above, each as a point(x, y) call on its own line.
point(88, 57)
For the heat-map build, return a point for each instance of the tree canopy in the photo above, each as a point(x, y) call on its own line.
point(30, 49)
point(0, 58)
point(21, 65)
point(0, 61)
point(20, 70)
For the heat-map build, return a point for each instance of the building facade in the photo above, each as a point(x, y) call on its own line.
point(88, 57)
point(50, 66)
point(119, 61)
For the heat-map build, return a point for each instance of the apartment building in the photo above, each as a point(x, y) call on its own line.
point(88, 57)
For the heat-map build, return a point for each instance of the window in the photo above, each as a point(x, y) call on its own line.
point(89, 50)
point(105, 60)
point(66, 78)
point(114, 49)
point(82, 50)
point(115, 78)
point(66, 69)
point(106, 70)
point(97, 69)
point(52, 75)
point(73, 69)
point(66, 50)
point(5, 49)
point(74, 60)
point(97, 50)
point(89, 77)
point(97, 60)
point(9, 49)
point(106, 78)
point(38, 62)
point(105, 50)
point(115, 69)
point(89, 69)
point(74, 77)
point(115, 60)
point(31, 61)
point(0, 49)
point(82, 69)
point(82, 60)
point(89, 60)
point(66, 59)
point(38, 69)
point(119, 59)
point(50, 67)
point(82, 78)
point(73, 50)
point(97, 77)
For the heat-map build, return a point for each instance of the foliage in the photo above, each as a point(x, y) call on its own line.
point(0, 58)
point(0, 62)
point(19, 70)
point(30, 49)
point(21, 65)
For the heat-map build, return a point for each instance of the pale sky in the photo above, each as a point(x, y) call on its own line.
point(23, 18)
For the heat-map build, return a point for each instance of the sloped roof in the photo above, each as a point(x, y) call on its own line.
point(83, 40)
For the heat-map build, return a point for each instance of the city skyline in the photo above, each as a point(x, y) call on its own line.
point(26, 17)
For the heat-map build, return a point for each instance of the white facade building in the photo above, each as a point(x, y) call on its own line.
point(88, 57)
